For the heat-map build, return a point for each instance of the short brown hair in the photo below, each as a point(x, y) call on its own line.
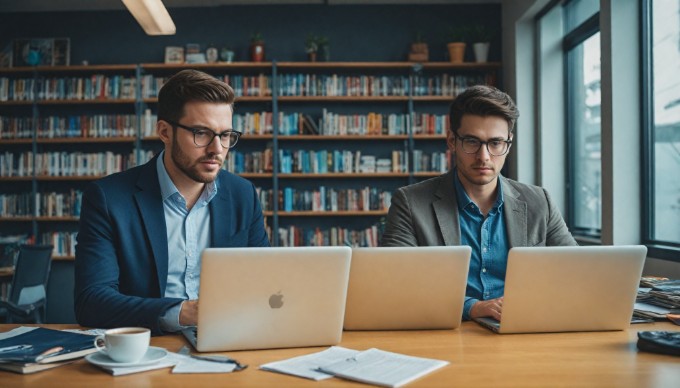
point(483, 100)
point(191, 85)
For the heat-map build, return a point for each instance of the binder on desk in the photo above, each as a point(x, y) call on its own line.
point(38, 349)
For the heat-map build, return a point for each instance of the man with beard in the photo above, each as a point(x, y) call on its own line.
point(474, 205)
point(142, 231)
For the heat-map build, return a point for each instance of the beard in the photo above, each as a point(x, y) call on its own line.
point(469, 174)
point(192, 169)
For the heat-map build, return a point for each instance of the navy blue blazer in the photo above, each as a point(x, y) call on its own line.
point(121, 266)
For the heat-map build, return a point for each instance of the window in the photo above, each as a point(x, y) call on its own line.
point(661, 145)
point(581, 47)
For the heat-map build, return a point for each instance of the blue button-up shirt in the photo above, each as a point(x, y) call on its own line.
point(188, 233)
point(489, 242)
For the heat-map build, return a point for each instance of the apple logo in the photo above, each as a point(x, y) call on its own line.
point(276, 300)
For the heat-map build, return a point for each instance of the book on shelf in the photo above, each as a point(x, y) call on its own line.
point(28, 350)
point(307, 125)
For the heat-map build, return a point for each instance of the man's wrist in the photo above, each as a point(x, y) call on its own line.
point(467, 307)
point(169, 321)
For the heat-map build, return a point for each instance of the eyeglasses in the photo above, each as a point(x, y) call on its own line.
point(203, 137)
point(496, 147)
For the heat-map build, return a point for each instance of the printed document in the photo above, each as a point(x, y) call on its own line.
point(307, 366)
point(383, 368)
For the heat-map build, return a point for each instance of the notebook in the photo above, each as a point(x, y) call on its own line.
point(560, 289)
point(404, 288)
point(262, 298)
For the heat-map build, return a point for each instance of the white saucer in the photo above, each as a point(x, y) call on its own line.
point(152, 356)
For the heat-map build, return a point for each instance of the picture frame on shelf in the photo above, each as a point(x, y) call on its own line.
point(193, 48)
point(61, 52)
point(6, 57)
point(174, 54)
point(41, 52)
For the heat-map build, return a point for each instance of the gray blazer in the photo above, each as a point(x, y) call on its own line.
point(426, 214)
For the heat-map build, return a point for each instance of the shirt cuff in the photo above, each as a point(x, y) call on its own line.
point(469, 302)
point(169, 321)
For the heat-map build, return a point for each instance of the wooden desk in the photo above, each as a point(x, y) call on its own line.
point(478, 358)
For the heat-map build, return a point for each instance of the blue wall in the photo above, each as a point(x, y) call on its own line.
point(356, 32)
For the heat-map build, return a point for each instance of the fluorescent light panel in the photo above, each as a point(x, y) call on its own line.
point(152, 16)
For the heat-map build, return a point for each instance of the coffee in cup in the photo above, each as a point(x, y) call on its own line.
point(124, 344)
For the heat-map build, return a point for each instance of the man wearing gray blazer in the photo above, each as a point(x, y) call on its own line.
point(474, 205)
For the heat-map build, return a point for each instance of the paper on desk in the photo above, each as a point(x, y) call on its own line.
point(651, 308)
point(16, 331)
point(167, 362)
point(187, 364)
point(87, 331)
point(383, 368)
point(306, 366)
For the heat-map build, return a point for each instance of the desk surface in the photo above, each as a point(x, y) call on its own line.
point(477, 356)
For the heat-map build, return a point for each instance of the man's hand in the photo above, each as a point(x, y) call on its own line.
point(487, 308)
point(188, 315)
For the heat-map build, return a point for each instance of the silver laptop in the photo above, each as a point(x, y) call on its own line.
point(261, 298)
point(407, 288)
point(560, 289)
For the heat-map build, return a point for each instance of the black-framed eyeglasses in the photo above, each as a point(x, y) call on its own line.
point(496, 147)
point(203, 137)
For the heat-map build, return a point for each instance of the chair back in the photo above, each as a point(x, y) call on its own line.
point(32, 270)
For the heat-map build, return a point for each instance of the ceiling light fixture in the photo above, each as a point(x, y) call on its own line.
point(152, 16)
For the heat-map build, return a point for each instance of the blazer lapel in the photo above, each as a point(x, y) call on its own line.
point(515, 211)
point(446, 210)
point(150, 206)
point(219, 215)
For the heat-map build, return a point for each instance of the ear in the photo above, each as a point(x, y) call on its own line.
point(164, 131)
point(451, 141)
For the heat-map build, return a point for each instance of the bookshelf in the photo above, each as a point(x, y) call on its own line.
point(61, 128)
point(326, 143)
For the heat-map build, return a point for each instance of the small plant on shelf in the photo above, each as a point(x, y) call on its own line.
point(456, 38)
point(419, 50)
point(480, 37)
point(257, 47)
point(312, 46)
point(324, 47)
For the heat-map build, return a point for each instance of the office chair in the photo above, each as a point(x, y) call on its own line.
point(28, 295)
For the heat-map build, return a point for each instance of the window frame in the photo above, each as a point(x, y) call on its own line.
point(571, 40)
point(660, 249)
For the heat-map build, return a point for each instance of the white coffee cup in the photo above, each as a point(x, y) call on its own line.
point(124, 344)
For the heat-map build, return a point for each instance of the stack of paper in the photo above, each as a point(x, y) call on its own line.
point(657, 297)
point(372, 366)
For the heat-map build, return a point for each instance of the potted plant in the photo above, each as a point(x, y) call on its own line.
point(312, 47)
point(324, 47)
point(257, 47)
point(456, 37)
point(419, 51)
point(481, 37)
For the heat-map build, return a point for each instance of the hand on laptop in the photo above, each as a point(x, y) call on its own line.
point(188, 315)
point(487, 308)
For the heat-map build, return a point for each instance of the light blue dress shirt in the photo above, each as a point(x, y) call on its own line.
point(188, 233)
point(489, 242)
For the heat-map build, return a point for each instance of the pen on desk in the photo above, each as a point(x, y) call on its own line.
point(49, 353)
point(15, 348)
point(221, 359)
